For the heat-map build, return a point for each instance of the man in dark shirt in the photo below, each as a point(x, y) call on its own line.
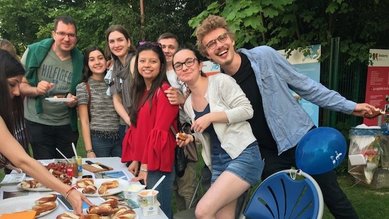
point(279, 122)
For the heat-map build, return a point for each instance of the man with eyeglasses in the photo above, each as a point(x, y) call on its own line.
point(279, 122)
point(53, 69)
point(185, 185)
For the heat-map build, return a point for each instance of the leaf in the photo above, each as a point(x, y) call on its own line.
point(332, 7)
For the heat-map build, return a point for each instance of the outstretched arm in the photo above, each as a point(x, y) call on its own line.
point(14, 152)
point(366, 110)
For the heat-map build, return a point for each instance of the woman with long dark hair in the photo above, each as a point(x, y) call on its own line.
point(149, 142)
point(122, 51)
point(11, 115)
point(99, 120)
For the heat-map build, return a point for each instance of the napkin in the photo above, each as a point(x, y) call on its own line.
point(21, 214)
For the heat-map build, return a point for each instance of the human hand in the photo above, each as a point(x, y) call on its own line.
point(43, 87)
point(91, 154)
point(200, 124)
point(174, 96)
point(75, 198)
point(142, 176)
point(133, 168)
point(367, 111)
point(73, 102)
point(183, 139)
point(127, 120)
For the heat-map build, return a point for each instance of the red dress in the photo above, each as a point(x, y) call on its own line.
point(152, 142)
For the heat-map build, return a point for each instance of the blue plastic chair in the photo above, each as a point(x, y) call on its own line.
point(286, 194)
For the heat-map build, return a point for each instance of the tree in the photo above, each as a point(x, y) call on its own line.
point(18, 22)
point(26, 21)
point(291, 24)
point(171, 16)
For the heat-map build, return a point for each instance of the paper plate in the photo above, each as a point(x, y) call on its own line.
point(38, 189)
point(58, 100)
point(123, 184)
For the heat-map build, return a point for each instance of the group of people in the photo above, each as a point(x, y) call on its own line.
point(245, 118)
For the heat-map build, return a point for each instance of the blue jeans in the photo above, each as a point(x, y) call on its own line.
point(106, 147)
point(165, 189)
point(122, 132)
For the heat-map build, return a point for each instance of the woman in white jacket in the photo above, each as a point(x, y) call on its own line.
point(219, 110)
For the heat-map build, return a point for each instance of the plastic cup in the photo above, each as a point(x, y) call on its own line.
point(133, 190)
point(77, 166)
point(147, 197)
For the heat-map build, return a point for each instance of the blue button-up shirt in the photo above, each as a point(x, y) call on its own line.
point(287, 120)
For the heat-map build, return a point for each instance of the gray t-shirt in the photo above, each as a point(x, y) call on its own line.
point(60, 73)
point(103, 116)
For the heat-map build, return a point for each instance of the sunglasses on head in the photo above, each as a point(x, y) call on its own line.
point(143, 43)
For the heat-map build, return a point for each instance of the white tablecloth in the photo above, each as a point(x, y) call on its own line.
point(113, 162)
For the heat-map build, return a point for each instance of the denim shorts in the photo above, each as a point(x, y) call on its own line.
point(248, 165)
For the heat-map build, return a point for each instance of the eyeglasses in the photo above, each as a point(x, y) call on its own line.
point(63, 35)
point(188, 62)
point(221, 38)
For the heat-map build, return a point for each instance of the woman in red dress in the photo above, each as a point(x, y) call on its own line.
point(150, 142)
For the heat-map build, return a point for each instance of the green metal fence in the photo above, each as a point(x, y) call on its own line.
point(348, 80)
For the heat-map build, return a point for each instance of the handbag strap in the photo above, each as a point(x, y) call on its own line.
point(173, 130)
point(89, 98)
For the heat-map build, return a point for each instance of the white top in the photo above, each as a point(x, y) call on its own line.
point(225, 95)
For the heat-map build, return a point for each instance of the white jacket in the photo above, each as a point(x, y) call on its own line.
point(225, 95)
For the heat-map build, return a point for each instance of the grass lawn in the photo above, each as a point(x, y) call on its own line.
point(368, 202)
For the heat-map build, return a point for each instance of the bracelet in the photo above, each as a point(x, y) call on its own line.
point(90, 151)
point(69, 191)
point(143, 170)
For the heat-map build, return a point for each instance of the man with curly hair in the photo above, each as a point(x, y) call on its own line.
point(279, 122)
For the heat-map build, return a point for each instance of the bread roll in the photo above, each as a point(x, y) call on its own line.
point(67, 215)
point(124, 213)
point(90, 216)
point(47, 198)
point(103, 209)
point(108, 185)
point(103, 189)
point(47, 206)
point(90, 189)
point(82, 183)
point(32, 183)
point(111, 184)
point(112, 202)
point(181, 136)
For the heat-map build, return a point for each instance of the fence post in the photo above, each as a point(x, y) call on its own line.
point(333, 78)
